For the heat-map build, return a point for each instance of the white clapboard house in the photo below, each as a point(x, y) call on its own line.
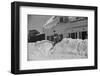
point(59, 27)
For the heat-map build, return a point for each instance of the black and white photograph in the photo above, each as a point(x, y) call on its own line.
point(53, 37)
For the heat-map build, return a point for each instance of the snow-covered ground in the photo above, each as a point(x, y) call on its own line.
point(66, 49)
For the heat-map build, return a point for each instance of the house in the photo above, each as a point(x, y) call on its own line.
point(59, 27)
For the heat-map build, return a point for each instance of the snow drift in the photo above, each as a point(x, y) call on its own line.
point(67, 46)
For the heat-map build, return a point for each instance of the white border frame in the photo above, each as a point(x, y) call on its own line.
point(24, 64)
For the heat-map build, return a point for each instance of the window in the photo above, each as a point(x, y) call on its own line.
point(61, 19)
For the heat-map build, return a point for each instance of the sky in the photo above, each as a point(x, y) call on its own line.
point(37, 21)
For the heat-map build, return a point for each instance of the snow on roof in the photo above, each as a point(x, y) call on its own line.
point(47, 25)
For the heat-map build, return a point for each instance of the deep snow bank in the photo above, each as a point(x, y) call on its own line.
point(66, 46)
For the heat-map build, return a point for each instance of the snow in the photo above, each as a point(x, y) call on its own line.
point(66, 49)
